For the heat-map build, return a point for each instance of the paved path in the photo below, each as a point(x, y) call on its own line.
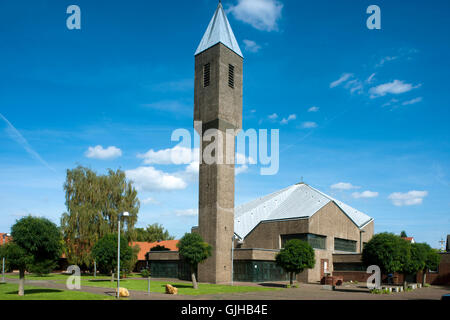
point(304, 292)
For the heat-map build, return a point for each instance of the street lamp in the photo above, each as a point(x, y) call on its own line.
point(124, 214)
point(234, 237)
point(3, 260)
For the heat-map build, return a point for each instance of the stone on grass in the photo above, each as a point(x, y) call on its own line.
point(123, 292)
point(171, 289)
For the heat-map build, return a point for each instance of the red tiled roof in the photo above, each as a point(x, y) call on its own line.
point(408, 238)
point(146, 246)
point(7, 239)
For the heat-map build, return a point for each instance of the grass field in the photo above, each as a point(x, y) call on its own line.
point(155, 286)
point(183, 288)
point(8, 291)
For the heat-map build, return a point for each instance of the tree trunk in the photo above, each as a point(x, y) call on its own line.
point(21, 282)
point(112, 277)
point(424, 277)
point(405, 284)
point(291, 279)
point(194, 280)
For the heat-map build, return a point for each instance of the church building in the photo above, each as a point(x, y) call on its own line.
point(246, 239)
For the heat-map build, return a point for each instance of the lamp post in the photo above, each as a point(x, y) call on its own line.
point(232, 257)
point(240, 242)
point(124, 214)
point(3, 258)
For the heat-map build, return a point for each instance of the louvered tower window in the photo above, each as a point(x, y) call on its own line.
point(206, 74)
point(231, 76)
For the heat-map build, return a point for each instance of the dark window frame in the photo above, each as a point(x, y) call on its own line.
point(231, 76)
point(316, 241)
point(344, 245)
point(206, 75)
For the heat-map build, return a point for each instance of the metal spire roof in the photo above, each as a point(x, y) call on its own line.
point(219, 30)
point(297, 201)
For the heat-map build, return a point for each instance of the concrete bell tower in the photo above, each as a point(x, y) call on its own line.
point(218, 105)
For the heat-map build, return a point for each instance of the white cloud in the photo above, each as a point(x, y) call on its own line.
point(193, 168)
point(150, 179)
point(309, 125)
point(344, 186)
point(273, 116)
point(313, 109)
point(251, 46)
point(365, 194)
point(413, 101)
point(354, 86)
point(186, 212)
point(410, 198)
point(261, 14)
point(394, 87)
point(175, 155)
point(240, 169)
point(386, 59)
point(290, 118)
point(341, 80)
point(370, 79)
point(98, 152)
point(149, 200)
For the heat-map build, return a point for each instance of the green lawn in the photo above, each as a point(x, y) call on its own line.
point(183, 287)
point(155, 286)
point(8, 291)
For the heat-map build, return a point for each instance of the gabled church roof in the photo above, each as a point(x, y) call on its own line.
point(294, 202)
point(219, 30)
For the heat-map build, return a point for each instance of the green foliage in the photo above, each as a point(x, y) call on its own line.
point(129, 265)
point(433, 258)
point(418, 258)
point(36, 245)
point(388, 251)
point(145, 273)
point(193, 249)
point(159, 248)
point(152, 233)
point(380, 291)
point(94, 203)
point(403, 234)
point(43, 268)
point(296, 256)
point(105, 253)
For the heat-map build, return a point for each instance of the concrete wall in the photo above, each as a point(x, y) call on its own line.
point(217, 106)
point(330, 221)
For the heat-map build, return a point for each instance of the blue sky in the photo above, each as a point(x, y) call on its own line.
point(366, 111)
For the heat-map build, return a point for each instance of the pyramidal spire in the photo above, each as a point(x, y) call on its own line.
point(219, 30)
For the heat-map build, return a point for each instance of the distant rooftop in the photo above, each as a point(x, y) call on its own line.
point(297, 201)
point(219, 31)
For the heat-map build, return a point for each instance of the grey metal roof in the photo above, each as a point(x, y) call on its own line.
point(294, 202)
point(219, 30)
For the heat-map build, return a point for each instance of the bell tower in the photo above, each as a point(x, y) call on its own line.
point(218, 105)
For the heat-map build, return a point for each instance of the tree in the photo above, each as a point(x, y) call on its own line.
point(403, 234)
point(296, 256)
point(432, 260)
point(388, 251)
point(104, 252)
point(94, 203)
point(152, 233)
point(193, 250)
point(36, 245)
point(417, 260)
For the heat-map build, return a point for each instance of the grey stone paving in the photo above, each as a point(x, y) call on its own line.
point(304, 292)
